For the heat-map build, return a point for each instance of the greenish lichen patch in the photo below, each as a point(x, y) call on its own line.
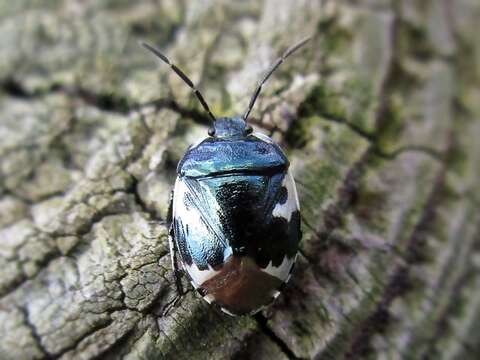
point(347, 107)
point(322, 102)
point(320, 179)
point(414, 40)
point(334, 37)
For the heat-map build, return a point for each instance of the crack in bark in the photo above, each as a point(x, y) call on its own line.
point(399, 281)
point(373, 137)
point(139, 201)
point(102, 101)
point(391, 155)
point(90, 332)
point(116, 347)
point(23, 278)
point(333, 216)
point(442, 321)
point(49, 144)
point(30, 202)
point(34, 333)
point(97, 218)
point(263, 325)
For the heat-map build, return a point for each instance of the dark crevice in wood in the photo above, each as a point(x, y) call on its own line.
point(29, 201)
point(103, 101)
point(115, 349)
point(13, 88)
point(34, 332)
point(98, 217)
point(399, 282)
point(152, 213)
point(52, 143)
point(13, 285)
point(91, 331)
point(333, 218)
point(379, 320)
point(263, 325)
point(391, 155)
point(441, 323)
point(372, 138)
point(367, 135)
point(23, 278)
point(170, 104)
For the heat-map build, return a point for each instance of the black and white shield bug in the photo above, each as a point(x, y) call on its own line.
point(235, 215)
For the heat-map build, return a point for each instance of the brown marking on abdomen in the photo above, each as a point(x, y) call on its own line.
point(241, 287)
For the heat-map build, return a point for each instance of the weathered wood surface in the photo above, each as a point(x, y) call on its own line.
point(379, 114)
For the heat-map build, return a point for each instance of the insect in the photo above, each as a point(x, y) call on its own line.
point(235, 214)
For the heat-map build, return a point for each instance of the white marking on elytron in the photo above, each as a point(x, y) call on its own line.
point(186, 271)
point(276, 294)
point(172, 251)
point(227, 312)
point(280, 272)
point(292, 204)
point(190, 217)
point(263, 137)
point(180, 211)
point(288, 278)
point(200, 276)
point(209, 298)
point(227, 252)
point(253, 312)
point(290, 273)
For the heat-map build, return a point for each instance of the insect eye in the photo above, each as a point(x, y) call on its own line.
point(248, 129)
point(211, 131)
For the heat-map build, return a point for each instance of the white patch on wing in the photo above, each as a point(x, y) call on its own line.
point(276, 294)
point(262, 137)
point(282, 271)
point(180, 211)
point(292, 204)
point(227, 312)
point(209, 298)
point(200, 276)
point(190, 218)
point(253, 312)
point(288, 278)
point(191, 221)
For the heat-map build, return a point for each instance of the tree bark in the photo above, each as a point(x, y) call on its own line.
point(379, 115)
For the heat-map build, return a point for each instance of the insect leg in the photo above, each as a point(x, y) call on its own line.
point(177, 272)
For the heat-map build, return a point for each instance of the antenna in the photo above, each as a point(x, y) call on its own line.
point(273, 67)
point(182, 75)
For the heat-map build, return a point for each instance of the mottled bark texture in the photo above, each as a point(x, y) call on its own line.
point(379, 115)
